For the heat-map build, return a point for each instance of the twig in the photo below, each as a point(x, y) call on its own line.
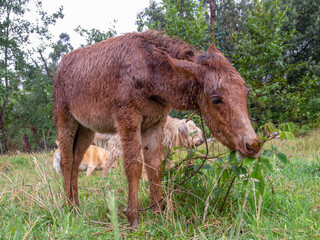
point(225, 198)
point(194, 173)
point(272, 190)
point(197, 157)
point(270, 138)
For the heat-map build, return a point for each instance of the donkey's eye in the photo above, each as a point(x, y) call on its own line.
point(216, 100)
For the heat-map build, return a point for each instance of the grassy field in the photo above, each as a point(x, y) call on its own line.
point(32, 197)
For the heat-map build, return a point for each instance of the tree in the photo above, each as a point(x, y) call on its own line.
point(231, 22)
point(187, 19)
point(212, 7)
point(151, 17)
point(95, 35)
point(15, 33)
point(60, 48)
point(304, 46)
point(260, 58)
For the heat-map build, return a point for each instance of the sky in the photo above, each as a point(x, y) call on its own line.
point(98, 14)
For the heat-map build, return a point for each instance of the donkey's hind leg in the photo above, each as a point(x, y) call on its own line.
point(83, 139)
point(67, 127)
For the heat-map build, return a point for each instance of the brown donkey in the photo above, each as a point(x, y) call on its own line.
point(128, 84)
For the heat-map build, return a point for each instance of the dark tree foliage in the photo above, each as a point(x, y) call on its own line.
point(304, 47)
point(95, 35)
point(60, 48)
point(186, 19)
point(274, 45)
point(231, 21)
point(15, 37)
point(151, 17)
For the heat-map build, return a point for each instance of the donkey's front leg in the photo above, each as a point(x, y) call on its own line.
point(129, 131)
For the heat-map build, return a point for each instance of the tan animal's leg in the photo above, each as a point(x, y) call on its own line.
point(110, 163)
point(67, 127)
point(144, 172)
point(83, 140)
point(152, 154)
point(90, 170)
point(129, 130)
point(115, 152)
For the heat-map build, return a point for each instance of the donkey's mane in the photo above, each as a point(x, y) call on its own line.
point(175, 47)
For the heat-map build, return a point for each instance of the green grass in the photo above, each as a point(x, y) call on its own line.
point(32, 198)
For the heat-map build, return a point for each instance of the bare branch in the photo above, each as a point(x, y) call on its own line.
point(46, 66)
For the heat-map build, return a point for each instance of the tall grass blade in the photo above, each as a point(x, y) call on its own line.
point(112, 214)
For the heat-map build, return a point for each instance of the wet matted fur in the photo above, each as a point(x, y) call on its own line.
point(129, 84)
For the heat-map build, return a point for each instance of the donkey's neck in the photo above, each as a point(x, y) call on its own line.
point(179, 94)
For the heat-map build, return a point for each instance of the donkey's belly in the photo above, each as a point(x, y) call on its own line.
point(97, 121)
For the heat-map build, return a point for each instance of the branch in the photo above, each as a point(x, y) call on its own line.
point(296, 55)
point(46, 66)
point(227, 194)
point(205, 158)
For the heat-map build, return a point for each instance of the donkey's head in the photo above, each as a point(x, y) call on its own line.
point(222, 100)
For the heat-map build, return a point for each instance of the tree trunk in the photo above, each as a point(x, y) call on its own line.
point(26, 144)
point(212, 5)
point(36, 137)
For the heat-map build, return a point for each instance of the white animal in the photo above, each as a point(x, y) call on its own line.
point(177, 133)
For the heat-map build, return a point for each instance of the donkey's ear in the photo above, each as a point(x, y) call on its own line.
point(212, 50)
point(187, 68)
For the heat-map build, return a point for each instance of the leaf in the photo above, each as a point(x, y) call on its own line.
point(290, 136)
point(284, 127)
point(236, 170)
point(232, 156)
point(287, 127)
point(247, 161)
point(220, 160)
point(256, 173)
point(263, 138)
point(190, 134)
point(265, 161)
point(269, 127)
point(282, 135)
point(267, 153)
point(224, 177)
point(203, 151)
point(291, 127)
point(260, 186)
point(282, 157)
point(243, 170)
point(208, 167)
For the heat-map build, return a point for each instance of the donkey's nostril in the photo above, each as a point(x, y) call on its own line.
point(249, 149)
